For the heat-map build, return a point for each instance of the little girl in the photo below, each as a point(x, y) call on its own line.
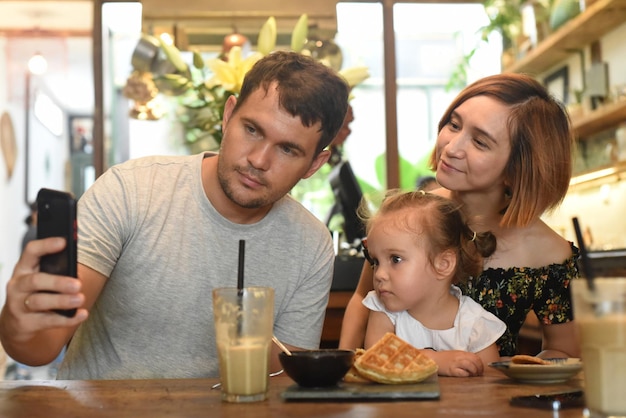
point(420, 247)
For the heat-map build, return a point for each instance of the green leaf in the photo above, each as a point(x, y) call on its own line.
point(409, 172)
point(408, 175)
point(198, 61)
point(267, 36)
point(300, 33)
point(172, 84)
point(380, 167)
point(174, 56)
point(355, 75)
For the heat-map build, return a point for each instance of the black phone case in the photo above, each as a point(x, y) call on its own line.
point(56, 217)
point(551, 401)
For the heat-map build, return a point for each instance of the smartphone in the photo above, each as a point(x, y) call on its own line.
point(551, 401)
point(56, 217)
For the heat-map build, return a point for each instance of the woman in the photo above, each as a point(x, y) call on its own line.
point(504, 153)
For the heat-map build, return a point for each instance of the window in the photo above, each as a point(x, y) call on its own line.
point(430, 41)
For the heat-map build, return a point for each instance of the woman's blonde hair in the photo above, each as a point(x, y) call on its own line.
point(539, 169)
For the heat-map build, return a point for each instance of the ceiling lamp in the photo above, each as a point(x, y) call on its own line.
point(234, 39)
point(37, 64)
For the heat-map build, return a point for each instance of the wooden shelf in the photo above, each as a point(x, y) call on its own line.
point(605, 117)
point(600, 18)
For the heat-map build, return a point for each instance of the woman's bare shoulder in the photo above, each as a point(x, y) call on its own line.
point(546, 246)
point(537, 245)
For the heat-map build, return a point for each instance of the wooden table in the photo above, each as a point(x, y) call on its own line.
point(486, 396)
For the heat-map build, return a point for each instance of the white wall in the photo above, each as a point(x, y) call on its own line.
point(68, 82)
point(598, 208)
point(614, 51)
point(160, 137)
point(11, 189)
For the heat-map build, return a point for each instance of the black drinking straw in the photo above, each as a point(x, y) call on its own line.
point(584, 258)
point(242, 251)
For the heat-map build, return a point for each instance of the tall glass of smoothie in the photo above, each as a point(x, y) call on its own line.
point(601, 317)
point(243, 320)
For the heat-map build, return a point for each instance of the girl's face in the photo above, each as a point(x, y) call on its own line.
point(403, 273)
point(474, 146)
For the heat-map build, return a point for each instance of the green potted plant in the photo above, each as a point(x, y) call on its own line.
point(201, 89)
point(505, 17)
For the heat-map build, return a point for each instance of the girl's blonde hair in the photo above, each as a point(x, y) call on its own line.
point(439, 221)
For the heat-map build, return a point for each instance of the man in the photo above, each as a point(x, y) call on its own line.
point(157, 234)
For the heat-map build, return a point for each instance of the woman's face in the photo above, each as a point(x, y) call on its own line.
point(474, 146)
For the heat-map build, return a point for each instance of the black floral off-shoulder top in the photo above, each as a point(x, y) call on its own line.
point(511, 293)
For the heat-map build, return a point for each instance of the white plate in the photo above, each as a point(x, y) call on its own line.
point(560, 370)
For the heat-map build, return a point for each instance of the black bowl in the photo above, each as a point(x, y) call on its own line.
point(317, 368)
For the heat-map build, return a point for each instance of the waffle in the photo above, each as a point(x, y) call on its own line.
point(394, 361)
point(353, 375)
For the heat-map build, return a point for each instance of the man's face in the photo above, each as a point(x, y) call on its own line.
point(265, 151)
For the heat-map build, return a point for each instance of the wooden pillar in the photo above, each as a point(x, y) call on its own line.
point(391, 113)
point(98, 80)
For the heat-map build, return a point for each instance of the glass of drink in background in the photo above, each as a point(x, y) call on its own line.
point(244, 320)
point(601, 318)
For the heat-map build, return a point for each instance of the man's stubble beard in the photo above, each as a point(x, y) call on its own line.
point(230, 193)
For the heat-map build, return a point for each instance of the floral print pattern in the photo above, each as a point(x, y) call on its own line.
point(511, 293)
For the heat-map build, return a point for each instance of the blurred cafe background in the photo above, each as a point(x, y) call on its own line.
point(78, 95)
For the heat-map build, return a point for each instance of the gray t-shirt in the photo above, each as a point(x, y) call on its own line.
point(148, 226)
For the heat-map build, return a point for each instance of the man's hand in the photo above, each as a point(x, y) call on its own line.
point(31, 297)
